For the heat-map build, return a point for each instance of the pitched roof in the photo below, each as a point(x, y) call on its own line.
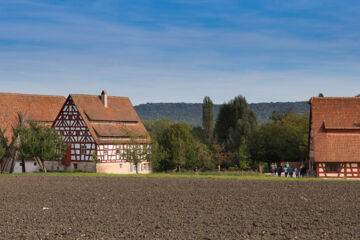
point(335, 125)
point(116, 123)
point(39, 108)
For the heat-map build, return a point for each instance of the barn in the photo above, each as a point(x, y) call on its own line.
point(42, 109)
point(101, 131)
point(334, 137)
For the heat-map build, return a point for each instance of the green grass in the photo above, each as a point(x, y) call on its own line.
point(212, 175)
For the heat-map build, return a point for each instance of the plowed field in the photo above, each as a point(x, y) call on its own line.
point(50, 207)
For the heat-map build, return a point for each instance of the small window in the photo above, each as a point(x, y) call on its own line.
point(117, 151)
point(35, 163)
point(75, 166)
point(21, 164)
point(120, 165)
point(83, 149)
point(145, 166)
point(105, 151)
point(332, 167)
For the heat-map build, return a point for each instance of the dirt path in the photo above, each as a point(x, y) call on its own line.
point(49, 207)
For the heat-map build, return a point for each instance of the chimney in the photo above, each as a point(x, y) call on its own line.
point(104, 98)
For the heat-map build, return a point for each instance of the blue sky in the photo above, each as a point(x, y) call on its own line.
point(181, 50)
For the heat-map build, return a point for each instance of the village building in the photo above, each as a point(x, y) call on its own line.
point(41, 109)
point(102, 132)
point(334, 137)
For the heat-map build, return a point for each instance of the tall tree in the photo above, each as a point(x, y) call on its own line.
point(208, 119)
point(234, 124)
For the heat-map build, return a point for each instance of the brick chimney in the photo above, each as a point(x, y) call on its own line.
point(104, 98)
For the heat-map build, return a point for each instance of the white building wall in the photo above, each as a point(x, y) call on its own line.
point(123, 168)
point(30, 166)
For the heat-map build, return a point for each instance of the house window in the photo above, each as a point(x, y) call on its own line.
point(35, 164)
point(105, 151)
point(120, 165)
point(75, 166)
point(144, 167)
point(83, 149)
point(117, 151)
point(332, 167)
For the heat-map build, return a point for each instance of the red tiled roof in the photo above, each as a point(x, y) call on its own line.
point(111, 124)
point(39, 108)
point(335, 124)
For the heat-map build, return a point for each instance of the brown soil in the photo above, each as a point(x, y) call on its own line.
point(149, 208)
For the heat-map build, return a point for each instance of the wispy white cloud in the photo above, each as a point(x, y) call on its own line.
point(64, 49)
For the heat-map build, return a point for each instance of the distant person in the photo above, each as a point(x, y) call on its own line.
point(302, 171)
point(286, 171)
point(287, 165)
point(273, 168)
point(297, 172)
point(291, 173)
point(279, 171)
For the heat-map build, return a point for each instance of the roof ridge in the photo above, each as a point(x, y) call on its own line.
point(92, 95)
point(334, 98)
point(30, 94)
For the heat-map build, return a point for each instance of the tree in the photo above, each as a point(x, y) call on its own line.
point(11, 153)
point(221, 157)
point(208, 119)
point(282, 140)
point(180, 150)
point(234, 125)
point(321, 95)
point(40, 143)
point(244, 156)
point(155, 128)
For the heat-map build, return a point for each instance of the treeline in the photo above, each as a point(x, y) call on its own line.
point(191, 113)
point(232, 140)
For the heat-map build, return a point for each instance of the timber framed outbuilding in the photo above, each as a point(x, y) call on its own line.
point(101, 131)
point(334, 137)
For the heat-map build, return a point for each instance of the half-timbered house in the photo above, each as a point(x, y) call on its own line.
point(334, 137)
point(101, 132)
point(41, 109)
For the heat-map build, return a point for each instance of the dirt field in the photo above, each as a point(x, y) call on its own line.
point(150, 208)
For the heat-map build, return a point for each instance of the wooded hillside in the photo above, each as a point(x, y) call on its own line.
point(191, 113)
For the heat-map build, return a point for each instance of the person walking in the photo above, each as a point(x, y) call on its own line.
point(286, 171)
point(291, 173)
point(279, 171)
point(302, 171)
point(296, 172)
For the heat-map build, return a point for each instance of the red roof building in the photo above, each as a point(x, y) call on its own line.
point(102, 129)
point(334, 137)
point(38, 108)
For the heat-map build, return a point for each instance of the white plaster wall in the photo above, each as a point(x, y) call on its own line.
point(122, 168)
point(81, 166)
point(30, 166)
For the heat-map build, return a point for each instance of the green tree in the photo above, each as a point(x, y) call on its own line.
point(234, 125)
point(179, 149)
point(321, 95)
point(155, 128)
point(208, 119)
point(135, 153)
point(284, 139)
point(40, 143)
point(244, 156)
